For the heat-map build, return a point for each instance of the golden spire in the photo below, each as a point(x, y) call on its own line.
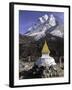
point(45, 49)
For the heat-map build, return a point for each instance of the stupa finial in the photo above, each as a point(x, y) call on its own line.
point(45, 49)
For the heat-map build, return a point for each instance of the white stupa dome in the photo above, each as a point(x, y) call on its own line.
point(45, 60)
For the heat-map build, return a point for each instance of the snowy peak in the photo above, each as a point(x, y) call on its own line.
point(45, 24)
point(43, 18)
point(52, 20)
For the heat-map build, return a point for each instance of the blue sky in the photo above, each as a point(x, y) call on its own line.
point(27, 18)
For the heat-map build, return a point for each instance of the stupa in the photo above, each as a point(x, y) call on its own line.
point(45, 60)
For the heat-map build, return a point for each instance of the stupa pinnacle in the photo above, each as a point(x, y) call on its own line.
point(45, 49)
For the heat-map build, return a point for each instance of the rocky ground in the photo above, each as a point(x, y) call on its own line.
point(27, 70)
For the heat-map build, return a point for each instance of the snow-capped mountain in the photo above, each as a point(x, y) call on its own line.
point(45, 24)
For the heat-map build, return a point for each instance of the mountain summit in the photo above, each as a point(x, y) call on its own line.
point(44, 24)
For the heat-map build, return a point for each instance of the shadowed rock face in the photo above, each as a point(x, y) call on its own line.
point(29, 47)
point(56, 46)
